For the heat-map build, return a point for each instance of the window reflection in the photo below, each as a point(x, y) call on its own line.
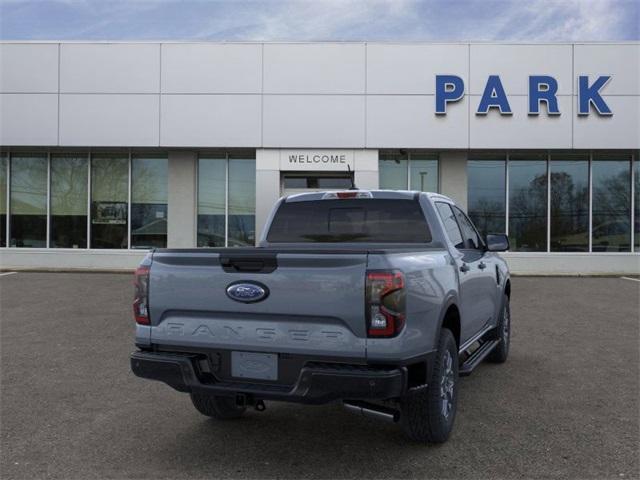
point(109, 197)
point(242, 202)
point(149, 196)
point(528, 202)
point(636, 202)
point(212, 173)
point(423, 173)
point(393, 171)
point(28, 201)
point(611, 181)
point(569, 203)
point(4, 161)
point(486, 195)
point(69, 201)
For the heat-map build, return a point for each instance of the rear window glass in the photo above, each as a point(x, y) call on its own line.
point(350, 220)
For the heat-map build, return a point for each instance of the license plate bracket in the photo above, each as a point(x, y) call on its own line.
point(254, 365)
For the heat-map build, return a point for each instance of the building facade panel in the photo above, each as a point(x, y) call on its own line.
point(109, 68)
point(28, 119)
point(514, 64)
point(221, 68)
point(621, 61)
point(313, 121)
point(411, 69)
point(109, 120)
point(211, 121)
point(620, 130)
point(314, 68)
point(521, 130)
point(407, 121)
point(28, 68)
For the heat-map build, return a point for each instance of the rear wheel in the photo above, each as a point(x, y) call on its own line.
point(220, 408)
point(503, 333)
point(427, 414)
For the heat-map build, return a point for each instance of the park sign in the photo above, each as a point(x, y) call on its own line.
point(542, 89)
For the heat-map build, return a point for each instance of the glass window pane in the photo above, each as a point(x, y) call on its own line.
point(211, 201)
point(3, 199)
point(393, 171)
point(569, 203)
point(69, 201)
point(450, 224)
point(611, 230)
point(423, 173)
point(28, 201)
point(636, 189)
point(149, 196)
point(242, 202)
point(528, 203)
point(486, 195)
point(469, 235)
point(109, 196)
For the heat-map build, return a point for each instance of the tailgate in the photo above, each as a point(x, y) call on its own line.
point(314, 306)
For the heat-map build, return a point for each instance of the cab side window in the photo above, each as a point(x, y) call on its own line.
point(450, 224)
point(471, 239)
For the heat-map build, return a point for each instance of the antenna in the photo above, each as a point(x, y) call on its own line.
point(353, 183)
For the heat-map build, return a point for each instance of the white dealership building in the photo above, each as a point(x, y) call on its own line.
point(108, 149)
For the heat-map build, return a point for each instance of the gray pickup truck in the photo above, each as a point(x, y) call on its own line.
point(379, 299)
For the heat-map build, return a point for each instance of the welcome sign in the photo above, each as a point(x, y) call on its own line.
point(318, 160)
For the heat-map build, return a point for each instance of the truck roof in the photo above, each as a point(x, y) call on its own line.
point(387, 194)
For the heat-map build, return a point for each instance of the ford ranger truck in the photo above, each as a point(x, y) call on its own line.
point(376, 299)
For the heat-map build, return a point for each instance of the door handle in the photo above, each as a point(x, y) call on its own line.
point(482, 265)
point(464, 267)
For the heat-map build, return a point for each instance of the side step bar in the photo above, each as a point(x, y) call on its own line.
point(477, 357)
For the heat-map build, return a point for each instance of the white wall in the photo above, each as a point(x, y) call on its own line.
point(305, 95)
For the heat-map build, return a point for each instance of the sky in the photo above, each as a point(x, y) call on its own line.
point(321, 20)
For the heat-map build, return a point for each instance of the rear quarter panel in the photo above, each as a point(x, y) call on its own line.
point(431, 282)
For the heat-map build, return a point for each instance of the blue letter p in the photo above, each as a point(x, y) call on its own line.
point(449, 88)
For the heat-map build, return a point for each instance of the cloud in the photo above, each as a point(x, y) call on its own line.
point(331, 20)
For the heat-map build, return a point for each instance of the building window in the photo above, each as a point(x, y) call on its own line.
point(68, 209)
point(226, 200)
point(4, 165)
point(109, 197)
point(399, 170)
point(569, 210)
point(242, 202)
point(611, 214)
point(549, 196)
point(528, 202)
point(487, 192)
point(149, 195)
point(28, 204)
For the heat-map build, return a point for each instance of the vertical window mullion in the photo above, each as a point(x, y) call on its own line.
point(506, 193)
point(7, 220)
point(226, 201)
point(48, 230)
point(408, 170)
point(548, 202)
point(590, 201)
point(88, 200)
point(129, 205)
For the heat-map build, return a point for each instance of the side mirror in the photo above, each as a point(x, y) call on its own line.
point(497, 242)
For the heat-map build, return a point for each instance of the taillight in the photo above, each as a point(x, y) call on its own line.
point(141, 296)
point(385, 294)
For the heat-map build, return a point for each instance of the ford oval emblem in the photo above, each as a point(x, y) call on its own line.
point(247, 292)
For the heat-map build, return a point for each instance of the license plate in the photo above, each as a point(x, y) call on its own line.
point(258, 366)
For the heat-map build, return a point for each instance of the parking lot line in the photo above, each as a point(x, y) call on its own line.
point(7, 273)
point(632, 279)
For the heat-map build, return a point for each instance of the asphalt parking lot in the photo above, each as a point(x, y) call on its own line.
point(565, 405)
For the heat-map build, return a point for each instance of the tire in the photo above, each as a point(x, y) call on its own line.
point(503, 333)
point(424, 415)
point(220, 408)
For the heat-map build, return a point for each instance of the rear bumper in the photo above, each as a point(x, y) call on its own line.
point(317, 382)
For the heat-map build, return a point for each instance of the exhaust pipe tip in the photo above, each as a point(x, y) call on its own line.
point(373, 411)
